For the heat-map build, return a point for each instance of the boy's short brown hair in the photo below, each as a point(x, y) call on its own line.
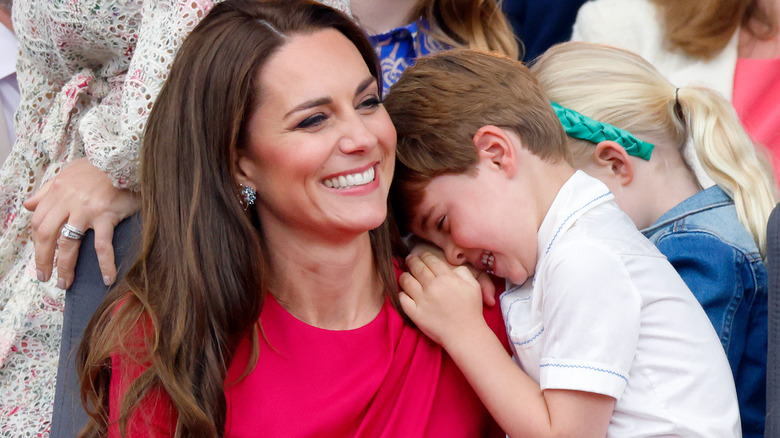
point(441, 102)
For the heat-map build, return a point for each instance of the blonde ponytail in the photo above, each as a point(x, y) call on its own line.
point(730, 158)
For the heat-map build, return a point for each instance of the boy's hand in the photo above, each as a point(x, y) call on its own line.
point(483, 278)
point(444, 302)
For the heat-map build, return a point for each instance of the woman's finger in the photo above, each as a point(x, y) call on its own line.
point(67, 254)
point(104, 247)
point(32, 202)
point(47, 226)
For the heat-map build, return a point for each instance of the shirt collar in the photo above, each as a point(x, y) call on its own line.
point(9, 49)
point(578, 194)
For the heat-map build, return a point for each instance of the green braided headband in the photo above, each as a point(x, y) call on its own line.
point(583, 127)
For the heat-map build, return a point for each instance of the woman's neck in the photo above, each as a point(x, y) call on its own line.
point(380, 16)
point(329, 285)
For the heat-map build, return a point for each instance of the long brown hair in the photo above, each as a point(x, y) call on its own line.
point(199, 285)
point(702, 28)
point(474, 24)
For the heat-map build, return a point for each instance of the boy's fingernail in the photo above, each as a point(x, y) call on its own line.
point(107, 280)
point(61, 283)
point(40, 275)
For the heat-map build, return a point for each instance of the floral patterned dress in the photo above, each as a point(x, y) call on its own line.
point(88, 72)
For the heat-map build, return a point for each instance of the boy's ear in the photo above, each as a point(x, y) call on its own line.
point(496, 147)
point(612, 157)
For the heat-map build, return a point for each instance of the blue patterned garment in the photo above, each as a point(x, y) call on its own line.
point(398, 48)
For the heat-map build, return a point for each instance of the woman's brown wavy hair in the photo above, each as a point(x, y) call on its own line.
point(199, 284)
point(702, 28)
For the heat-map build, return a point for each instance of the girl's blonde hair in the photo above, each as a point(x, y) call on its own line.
point(473, 24)
point(620, 88)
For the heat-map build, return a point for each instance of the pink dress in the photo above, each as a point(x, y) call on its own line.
point(757, 101)
point(384, 379)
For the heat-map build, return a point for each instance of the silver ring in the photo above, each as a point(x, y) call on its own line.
point(70, 232)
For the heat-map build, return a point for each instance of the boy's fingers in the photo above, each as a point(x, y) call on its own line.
point(465, 274)
point(436, 265)
point(409, 284)
point(488, 289)
point(419, 269)
point(407, 304)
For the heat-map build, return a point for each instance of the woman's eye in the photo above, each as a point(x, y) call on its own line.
point(310, 121)
point(371, 102)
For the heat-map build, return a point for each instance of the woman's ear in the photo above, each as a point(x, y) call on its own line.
point(496, 148)
point(244, 170)
point(613, 158)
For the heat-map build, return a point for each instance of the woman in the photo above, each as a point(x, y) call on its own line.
point(269, 310)
point(89, 71)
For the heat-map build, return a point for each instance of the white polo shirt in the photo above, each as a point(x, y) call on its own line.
point(606, 313)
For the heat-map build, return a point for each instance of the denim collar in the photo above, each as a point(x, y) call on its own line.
point(706, 199)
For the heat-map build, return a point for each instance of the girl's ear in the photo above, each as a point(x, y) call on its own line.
point(613, 158)
point(496, 148)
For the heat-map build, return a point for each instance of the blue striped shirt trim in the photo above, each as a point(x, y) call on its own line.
point(555, 236)
point(584, 367)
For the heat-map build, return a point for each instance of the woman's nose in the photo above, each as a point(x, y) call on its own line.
point(357, 136)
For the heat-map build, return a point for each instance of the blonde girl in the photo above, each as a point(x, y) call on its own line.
point(703, 195)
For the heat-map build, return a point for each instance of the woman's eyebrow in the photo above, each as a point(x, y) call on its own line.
point(327, 100)
point(309, 104)
point(365, 84)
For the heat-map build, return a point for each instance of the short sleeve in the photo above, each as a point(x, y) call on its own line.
point(591, 314)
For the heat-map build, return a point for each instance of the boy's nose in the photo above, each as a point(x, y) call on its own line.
point(454, 254)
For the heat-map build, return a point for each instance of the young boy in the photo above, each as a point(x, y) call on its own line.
point(609, 340)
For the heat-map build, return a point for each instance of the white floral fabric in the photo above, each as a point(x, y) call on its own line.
point(88, 73)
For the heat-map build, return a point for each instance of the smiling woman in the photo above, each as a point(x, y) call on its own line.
point(313, 129)
point(278, 315)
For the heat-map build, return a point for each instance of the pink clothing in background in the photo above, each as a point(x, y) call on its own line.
point(757, 101)
point(384, 379)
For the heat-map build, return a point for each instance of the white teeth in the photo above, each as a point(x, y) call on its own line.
point(488, 259)
point(351, 180)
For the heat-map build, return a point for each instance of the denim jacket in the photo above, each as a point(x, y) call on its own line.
point(719, 261)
